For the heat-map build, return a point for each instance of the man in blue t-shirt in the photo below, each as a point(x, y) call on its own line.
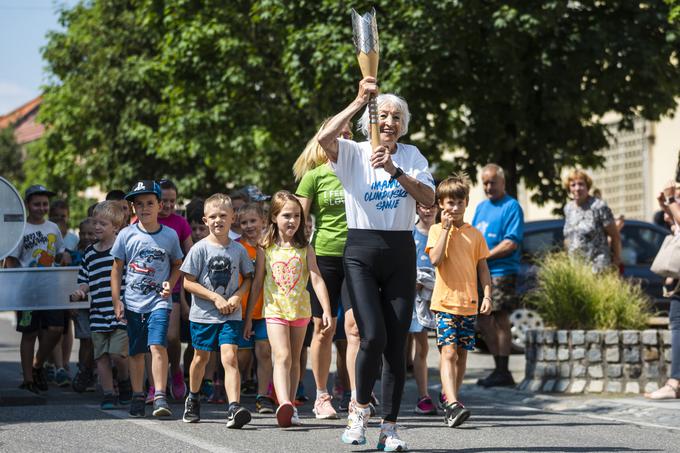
point(501, 221)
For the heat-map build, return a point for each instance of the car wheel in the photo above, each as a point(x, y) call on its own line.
point(521, 320)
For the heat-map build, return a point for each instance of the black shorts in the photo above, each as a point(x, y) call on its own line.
point(333, 274)
point(308, 335)
point(33, 320)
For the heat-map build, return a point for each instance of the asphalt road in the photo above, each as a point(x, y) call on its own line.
point(501, 422)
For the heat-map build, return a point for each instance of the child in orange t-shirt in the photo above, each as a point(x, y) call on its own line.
point(251, 219)
point(458, 252)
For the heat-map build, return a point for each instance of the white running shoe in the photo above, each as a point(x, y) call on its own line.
point(389, 439)
point(355, 432)
point(295, 419)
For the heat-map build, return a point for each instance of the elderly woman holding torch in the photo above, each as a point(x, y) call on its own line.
point(382, 186)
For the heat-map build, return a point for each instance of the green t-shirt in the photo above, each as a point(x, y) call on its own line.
point(328, 206)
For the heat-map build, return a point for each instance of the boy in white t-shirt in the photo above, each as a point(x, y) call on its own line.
point(40, 246)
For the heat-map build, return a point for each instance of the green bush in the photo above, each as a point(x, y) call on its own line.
point(569, 295)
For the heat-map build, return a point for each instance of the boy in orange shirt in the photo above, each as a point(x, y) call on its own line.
point(458, 252)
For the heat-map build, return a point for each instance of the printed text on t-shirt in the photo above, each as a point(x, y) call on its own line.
point(386, 193)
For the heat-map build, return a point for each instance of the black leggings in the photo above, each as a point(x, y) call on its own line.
point(380, 271)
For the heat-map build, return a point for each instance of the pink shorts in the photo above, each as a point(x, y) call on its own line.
point(301, 322)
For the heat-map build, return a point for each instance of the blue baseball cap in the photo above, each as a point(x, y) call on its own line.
point(142, 187)
point(37, 189)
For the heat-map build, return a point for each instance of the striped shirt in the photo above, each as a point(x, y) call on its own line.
point(95, 272)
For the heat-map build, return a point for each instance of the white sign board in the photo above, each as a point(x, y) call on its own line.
point(39, 288)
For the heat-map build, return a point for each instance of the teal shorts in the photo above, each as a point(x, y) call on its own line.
point(260, 334)
point(209, 337)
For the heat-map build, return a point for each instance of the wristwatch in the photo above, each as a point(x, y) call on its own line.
point(399, 172)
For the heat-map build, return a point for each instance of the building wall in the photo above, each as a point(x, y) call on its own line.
point(639, 163)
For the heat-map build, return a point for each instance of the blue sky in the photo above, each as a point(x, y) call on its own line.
point(23, 26)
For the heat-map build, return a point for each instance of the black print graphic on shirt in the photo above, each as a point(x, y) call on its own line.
point(152, 254)
point(219, 273)
point(146, 286)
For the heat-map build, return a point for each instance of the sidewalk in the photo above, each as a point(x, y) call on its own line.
point(622, 408)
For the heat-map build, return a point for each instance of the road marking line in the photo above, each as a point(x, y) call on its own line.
point(621, 420)
point(154, 425)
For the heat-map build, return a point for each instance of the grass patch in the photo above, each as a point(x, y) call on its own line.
point(569, 295)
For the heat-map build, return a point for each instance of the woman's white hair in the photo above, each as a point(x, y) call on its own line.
point(394, 101)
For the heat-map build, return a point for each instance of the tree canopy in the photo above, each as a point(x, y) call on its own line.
point(222, 92)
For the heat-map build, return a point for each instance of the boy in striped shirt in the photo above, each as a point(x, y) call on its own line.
point(109, 335)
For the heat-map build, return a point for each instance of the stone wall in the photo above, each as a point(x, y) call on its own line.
point(596, 361)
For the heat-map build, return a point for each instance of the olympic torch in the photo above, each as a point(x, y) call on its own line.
point(366, 43)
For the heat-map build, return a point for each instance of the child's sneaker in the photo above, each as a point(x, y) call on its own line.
point(264, 404)
point(192, 410)
point(40, 379)
point(124, 392)
point(442, 401)
point(249, 388)
point(219, 395)
point(345, 401)
point(455, 414)
point(355, 432)
point(178, 388)
point(81, 379)
point(161, 407)
point(425, 406)
point(207, 389)
point(374, 400)
point(30, 386)
point(62, 378)
point(295, 419)
point(108, 403)
point(137, 407)
point(323, 409)
point(237, 416)
point(284, 414)
point(50, 372)
point(389, 439)
point(150, 395)
point(300, 397)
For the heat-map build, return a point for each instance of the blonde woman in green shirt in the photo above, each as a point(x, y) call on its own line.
point(321, 192)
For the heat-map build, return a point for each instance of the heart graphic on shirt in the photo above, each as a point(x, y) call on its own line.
point(286, 274)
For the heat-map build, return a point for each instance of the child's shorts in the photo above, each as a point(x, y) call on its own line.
point(209, 337)
point(300, 322)
point(81, 324)
point(147, 329)
point(455, 329)
point(340, 325)
point(416, 327)
point(260, 334)
point(113, 342)
point(29, 321)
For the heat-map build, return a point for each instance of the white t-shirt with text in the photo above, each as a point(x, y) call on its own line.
point(372, 200)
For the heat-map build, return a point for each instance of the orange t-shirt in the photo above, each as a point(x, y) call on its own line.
point(257, 311)
point(455, 286)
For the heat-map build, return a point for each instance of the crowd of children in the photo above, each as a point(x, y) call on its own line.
point(231, 281)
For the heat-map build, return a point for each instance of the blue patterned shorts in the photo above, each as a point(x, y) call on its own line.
point(455, 329)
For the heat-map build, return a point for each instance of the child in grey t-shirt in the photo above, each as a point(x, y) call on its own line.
point(216, 268)
point(211, 274)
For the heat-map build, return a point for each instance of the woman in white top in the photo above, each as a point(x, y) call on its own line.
point(382, 186)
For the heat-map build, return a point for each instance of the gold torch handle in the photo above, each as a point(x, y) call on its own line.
point(374, 122)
